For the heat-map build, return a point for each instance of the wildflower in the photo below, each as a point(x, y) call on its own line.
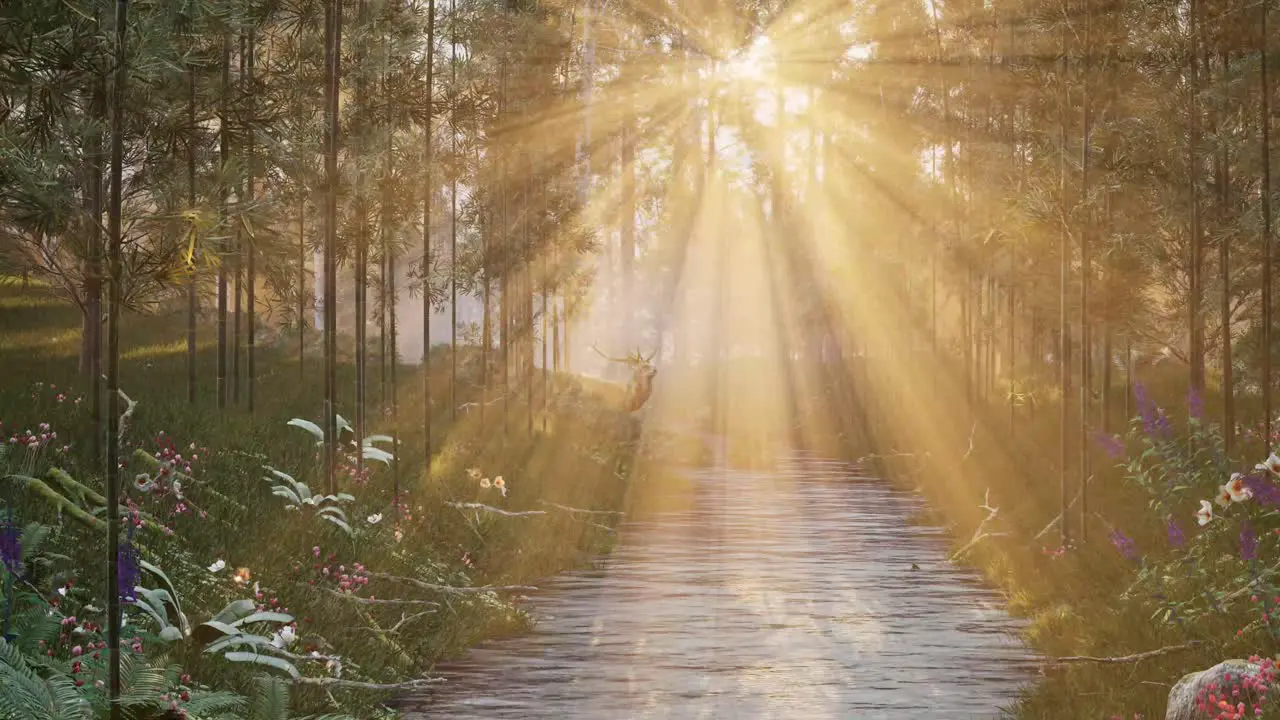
point(1176, 537)
point(284, 637)
point(128, 576)
point(242, 576)
point(1205, 513)
point(1263, 489)
point(500, 484)
point(375, 518)
point(1248, 543)
point(484, 483)
point(217, 566)
point(1124, 544)
point(399, 535)
point(1110, 444)
point(1223, 498)
point(1237, 489)
point(1195, 403)
point(11, 546)
point(1271, 464)
point(315, 551)
point(473, 473)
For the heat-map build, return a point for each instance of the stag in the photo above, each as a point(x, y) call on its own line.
point(642, 372)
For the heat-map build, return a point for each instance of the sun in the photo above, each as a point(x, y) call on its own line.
point(751, 64)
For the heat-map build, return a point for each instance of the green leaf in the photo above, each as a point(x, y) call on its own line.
point(172, 592)
point(235, 610)
point(267, 616)
point(309, 426)
point(267, 660)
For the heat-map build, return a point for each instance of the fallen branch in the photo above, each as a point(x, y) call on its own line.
point(973, 430)
point(358, 685)
point(1136, 657)
point(981, 532)
point(496, 511)
point(130, 406)
point(371, 601)
point(575, 510)
point(453, 589)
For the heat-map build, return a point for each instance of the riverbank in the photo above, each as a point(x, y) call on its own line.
point(341, 601)
point(992, 478)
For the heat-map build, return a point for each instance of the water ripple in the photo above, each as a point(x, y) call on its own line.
point(784, 594)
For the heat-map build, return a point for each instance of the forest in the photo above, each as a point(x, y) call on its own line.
point(332, 332)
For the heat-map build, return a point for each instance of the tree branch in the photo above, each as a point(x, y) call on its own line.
point(497, 511)
point(453, 589)
point(358, 685)
point(1136, 657)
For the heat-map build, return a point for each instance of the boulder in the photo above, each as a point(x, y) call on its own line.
point(1220, 680)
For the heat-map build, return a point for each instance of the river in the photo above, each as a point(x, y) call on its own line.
point(780, 594)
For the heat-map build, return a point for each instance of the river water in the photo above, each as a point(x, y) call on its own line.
point(780, 594)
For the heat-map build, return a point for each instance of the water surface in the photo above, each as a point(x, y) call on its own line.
point(780, 594)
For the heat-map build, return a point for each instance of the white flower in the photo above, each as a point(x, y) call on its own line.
point(217, 566)
point(499, 483)
point(284, 637)
point(473, 473)
point(484, 483)
point(1205, 513)
point(1224, 497)
point(177, 489)
point(1236, 489)
point(375, 518)
point(1271, 464)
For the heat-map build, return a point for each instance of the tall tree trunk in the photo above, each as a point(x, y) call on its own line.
point(1195, 300)
point(1064, 323)
point(1086, 272)
point(427, 195)
point(389, 249)
point(224, 160)
point(362, 237)
point(251, 246)
point(1224, 268)
point(453, 224)
point(91, 353)
point(237, 264)
point(113, 361)
point(1268, 251)
point(333, 73)
point(193, 306)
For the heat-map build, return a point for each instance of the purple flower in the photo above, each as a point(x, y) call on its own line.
point(128, 575)
point(1124, 544)
point(1248, 543)
point(1195, 403)
point(1176, 537)
point(11, 546)
point(1113, 446)
point(1262, 489)
point(1154, 422)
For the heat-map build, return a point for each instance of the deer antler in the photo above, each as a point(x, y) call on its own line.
point(624, 361)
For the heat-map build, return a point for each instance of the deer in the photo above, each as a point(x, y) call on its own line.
point(642, 373)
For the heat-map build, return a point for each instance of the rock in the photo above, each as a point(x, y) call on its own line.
point(1182, 698)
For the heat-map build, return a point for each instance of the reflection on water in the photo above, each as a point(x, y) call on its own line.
point(785, 594)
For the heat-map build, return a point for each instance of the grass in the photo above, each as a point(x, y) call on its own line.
point(573, 457)
point(1073, 601)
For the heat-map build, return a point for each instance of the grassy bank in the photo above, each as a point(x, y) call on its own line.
point(335, 607)
point(1127, 582)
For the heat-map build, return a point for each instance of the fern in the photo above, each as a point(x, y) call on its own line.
point(25, 695)
point(270, 699)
